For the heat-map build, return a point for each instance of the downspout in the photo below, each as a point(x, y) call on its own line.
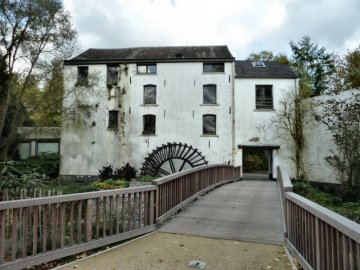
point(233, 113)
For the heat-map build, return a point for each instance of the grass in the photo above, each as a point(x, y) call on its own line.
point(71, 187)
point(349, 209)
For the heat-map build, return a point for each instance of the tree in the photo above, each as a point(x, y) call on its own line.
point(289, 125)
point(342, 118)
point(45, 106)
point(269, 56)
point(313, 65)
point(353, 68)
point(347, 72)
point(32, 33)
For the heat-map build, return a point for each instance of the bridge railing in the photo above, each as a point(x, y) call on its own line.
point(177, 190)
point(33, 231)
point(319, 238)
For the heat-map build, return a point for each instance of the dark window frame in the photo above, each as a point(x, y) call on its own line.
point(206, 102)
point(39, 141)
point(206, 130)
point(153, 100)
point(264, 99)
point(113, 120)
point(112, 73)
point(150, 68)
point(82, 75)
point(218, 67)
point(149, 124)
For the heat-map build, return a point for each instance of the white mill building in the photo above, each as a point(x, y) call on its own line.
point(165, 109)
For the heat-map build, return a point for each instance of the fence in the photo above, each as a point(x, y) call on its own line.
point(318, 237)
point(33, 231)
point(23, 193)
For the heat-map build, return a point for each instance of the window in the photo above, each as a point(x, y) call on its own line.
point(258, 64)
point(213, 67)
point(209, 124)
point(113, 119)
point(149, 121)
point(112, 74)
point(146, 69)
point(82, 76)
point(47, 147)
point(264, 97)
point(149, 94)
point(24, 150)
point(209, 94)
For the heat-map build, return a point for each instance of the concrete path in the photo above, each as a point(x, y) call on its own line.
point(163, 251)
point(249, 210)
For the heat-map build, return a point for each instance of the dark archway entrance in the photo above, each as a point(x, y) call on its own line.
point(258, 160)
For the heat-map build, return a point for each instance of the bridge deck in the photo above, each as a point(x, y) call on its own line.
point(249, 210)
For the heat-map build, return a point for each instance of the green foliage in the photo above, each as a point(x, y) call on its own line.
point(313, 65)
point(11, 177)
point(147, 178)
point(353, 67)
point(111, 184)
point(269, 56)
point(254, 161)
point(45, 163)
point(342, 118)
point(340, 205)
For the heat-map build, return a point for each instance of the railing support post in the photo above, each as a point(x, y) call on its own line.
point(88, 220)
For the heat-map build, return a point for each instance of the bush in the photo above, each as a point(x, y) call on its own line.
point(44, 163)
point(106, 172)
point(126, 172)
point(147, 178)
point(254, 162)
point(12, 177)
point(111, 184)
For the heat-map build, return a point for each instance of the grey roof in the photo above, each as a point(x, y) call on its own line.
point(158, 54)
point(272, 69)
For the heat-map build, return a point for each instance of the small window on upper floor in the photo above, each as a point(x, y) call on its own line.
point(150, 94)
point(149, 124)
point(112, 74)
point(113, 120)
point(209, 124)
point(264, 97)
point(209, 94)
point(213, 67)
point(146, 69)
point(82, 75)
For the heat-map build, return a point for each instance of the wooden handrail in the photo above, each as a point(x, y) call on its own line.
point(33, 231)
point(317, 236)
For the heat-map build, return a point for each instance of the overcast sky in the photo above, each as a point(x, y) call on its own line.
point(244, 25)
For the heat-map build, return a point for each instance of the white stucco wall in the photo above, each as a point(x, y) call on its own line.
point(87, 143)
point(253, 127)
point(319, 142)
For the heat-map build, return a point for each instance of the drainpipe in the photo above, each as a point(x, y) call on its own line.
point(233, 133)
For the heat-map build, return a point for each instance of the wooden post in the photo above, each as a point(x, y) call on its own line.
point(88, 220)
point(317, 244)
point(2, 236)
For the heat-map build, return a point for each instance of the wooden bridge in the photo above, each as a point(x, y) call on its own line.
point(33, 231)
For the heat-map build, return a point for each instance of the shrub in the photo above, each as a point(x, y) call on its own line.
point(12, 177)
point(44, 163)
point(111, 184)
point(146, 178)
point(126, 172)
point(106, 172)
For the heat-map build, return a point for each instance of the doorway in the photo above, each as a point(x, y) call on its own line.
point(257, 160)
